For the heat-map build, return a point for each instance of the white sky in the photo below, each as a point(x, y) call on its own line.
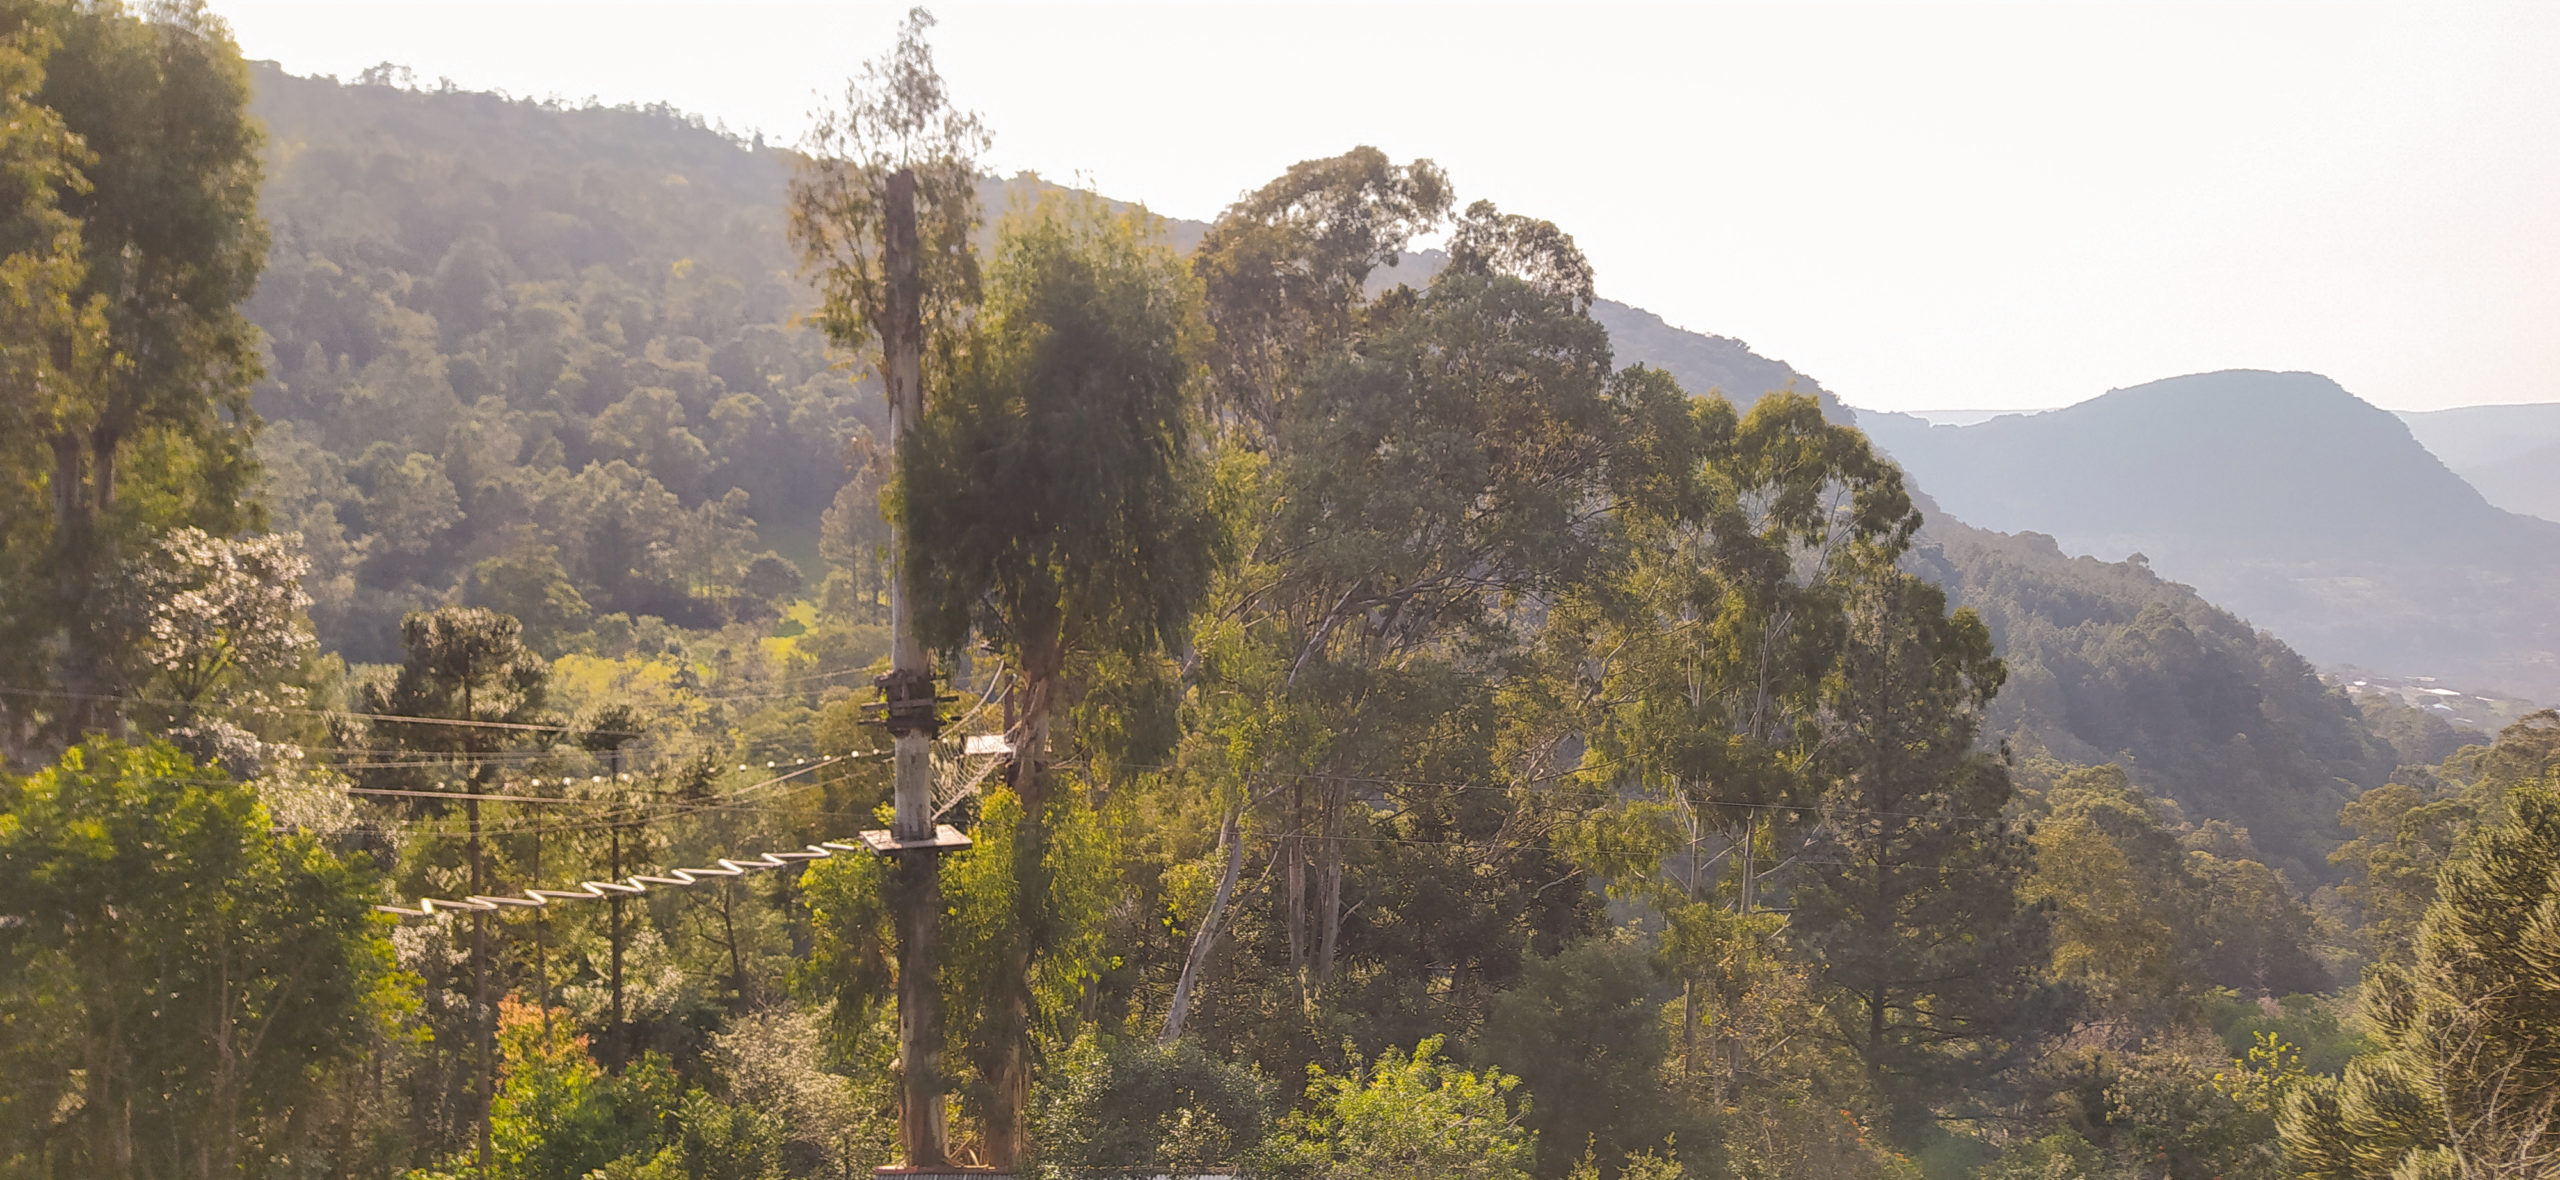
point(1922, 205)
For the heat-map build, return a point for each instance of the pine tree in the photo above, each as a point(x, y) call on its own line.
point(2467, 1082)
point(1927, 957)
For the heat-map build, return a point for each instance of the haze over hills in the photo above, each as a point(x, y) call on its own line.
point(515, 343)
point(2510, 453)
point(2280, 496)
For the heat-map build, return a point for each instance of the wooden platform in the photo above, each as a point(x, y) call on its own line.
point(945, 838)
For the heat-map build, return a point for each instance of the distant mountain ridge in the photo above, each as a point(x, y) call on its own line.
point(2280, 496)
point(2511, 453)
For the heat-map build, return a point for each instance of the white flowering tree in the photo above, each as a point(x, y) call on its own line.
point(206, 611)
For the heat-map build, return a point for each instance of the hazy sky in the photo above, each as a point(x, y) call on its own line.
point(1924, 206)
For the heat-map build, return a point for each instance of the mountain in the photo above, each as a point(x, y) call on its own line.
point(1700, 361)
point(2510, 453)
point(1704, 363)
point(2528, 483)
point(546, 358)
point(2281, 496)
point(2110, 662)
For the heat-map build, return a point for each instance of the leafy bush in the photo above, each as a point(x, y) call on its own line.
point(1405, 1118)
point(1119, 1108)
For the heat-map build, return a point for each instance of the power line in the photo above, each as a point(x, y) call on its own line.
point(390, 717)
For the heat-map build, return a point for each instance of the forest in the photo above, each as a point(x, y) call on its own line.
point(1408, 716)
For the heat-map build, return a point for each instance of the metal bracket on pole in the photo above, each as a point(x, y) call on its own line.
point(908, 704)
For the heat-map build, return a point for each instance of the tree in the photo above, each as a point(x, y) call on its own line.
point(473, 687)
point(1285, 272)
point(1709, 653)
point(556, 1113)
point(204, 611)
point(1057, 496)
point(55, 333)
point(1406, 1117)
point(896, 118)
point(530, 586)
point(1582, 1032)
point(1128, 1110)
point(2115, 884)
point(2467, 1080)
point(1433, 480)
point(171, 246)
point(1909, 910)
point(180, 981)
point(1058, 493)
point(883, 211)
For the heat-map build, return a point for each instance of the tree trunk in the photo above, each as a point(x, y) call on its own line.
point(1294, 912)
point(541, 932)
point(1329, 886)
point(71, 558)
point(103, 442)
point(1231, 838)
point(1009, 1080)
point(1746, 901)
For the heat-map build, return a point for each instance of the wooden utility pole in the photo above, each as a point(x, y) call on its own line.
point(911, 711)
point(484, 1028)
point(614, 1035)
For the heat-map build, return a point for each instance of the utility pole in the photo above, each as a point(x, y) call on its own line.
point(614, 1033)
point(484, 1028)
point(911, 711)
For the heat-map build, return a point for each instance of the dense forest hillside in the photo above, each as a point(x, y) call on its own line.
point(2109, 662)
point(558, 340)
point(2281, 497)
point(1346, 720)
point(546, 360)
point(562, 342)
point(2510, 453)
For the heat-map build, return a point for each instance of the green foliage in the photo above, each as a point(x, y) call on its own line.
point(180, 983)
point(531, 587)
point(467, 664)
point(1113, 1108)
point(1001, 901)
point(2308, 1025)
point(707, 1139)
point(1285, 272)
point(2465, 1080)
point(2160, 1114)
point(1382, 622)
point(131, 241)
point(555, 1114)
point(500, 327)
point(896, 117)
point(851, 965)
point(1411, 476)
point(1923, 950)
point(211, 632)
point(1405, 1118)
point(1057, 491)
point(1581, 1033)
point(1726, 628)
point(2110, 663)
point(2405, 831)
